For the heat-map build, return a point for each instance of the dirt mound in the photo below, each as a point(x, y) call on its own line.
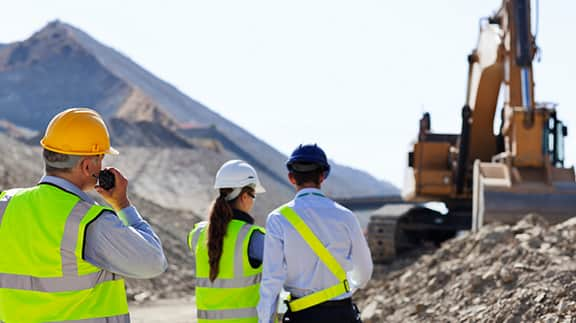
point(520, 273)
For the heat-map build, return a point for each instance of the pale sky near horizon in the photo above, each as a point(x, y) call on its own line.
point(353, 76)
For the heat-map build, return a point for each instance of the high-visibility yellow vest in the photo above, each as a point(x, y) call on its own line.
point(325, 256)
point(43, 274)
point(234, 294)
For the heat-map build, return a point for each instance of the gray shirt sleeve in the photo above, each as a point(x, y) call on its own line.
point(124, 244)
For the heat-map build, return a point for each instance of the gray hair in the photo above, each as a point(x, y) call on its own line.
point(57, 162)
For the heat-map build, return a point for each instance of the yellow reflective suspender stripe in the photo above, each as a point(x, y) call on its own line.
point(318, 297)
point(324, 255)
point(313, 242)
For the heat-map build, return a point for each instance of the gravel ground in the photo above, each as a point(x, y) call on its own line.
point(163, 311)
point(520, 273)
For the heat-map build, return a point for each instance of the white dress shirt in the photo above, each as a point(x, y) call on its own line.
point(289, 262)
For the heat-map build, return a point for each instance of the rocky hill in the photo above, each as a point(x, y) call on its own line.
point(520, 273)
point(61, 66)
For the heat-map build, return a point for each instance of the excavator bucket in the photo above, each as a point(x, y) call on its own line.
point(506, 194)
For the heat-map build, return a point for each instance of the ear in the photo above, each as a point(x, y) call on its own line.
point(321, 178)
point(243, 197)
point(291, 179)
point(241, 201)
point(84, 166)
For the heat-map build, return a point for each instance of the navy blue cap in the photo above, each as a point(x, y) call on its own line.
point(307, 158)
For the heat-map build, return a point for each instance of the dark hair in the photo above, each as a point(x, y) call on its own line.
point(220, 216)
point(302, 178)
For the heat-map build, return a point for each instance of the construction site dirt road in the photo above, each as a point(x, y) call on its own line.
point(170, 310)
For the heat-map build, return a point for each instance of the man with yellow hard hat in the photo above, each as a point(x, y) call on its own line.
point(63, 255)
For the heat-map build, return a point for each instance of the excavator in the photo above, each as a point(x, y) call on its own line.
point(479, 175)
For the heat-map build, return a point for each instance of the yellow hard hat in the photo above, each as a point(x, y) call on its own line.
point(78, 131)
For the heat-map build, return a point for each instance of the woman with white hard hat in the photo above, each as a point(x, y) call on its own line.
point(228, 249)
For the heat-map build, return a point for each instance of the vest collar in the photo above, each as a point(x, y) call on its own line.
point(67, 186)
point(242, 216)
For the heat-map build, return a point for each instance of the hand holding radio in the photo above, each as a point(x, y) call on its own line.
point(106, 179)
point(112, 185)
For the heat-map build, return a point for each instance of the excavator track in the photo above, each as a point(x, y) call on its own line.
point(385, 238)
point(397, 228)
point(381, 238)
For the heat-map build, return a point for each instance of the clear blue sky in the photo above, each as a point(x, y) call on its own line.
point(353, 76)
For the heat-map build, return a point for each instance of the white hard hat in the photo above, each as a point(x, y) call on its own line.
point(237, 174)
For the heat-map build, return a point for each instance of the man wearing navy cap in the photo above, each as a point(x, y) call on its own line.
point(314, 249)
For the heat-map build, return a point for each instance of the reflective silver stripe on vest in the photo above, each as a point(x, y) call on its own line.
point(70, 238)
point(238, 252)
point(227, 314)
point(54, 285)
point(112, 319)
point(195, 237)
point(229, 283)
point(3, 204)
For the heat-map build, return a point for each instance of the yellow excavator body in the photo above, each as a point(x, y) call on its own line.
point(480, 175)
point(516, 171)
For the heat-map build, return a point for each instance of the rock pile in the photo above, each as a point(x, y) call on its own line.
point(520, 273)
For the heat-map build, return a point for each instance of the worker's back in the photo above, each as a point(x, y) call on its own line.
point(333, 224)
point(44, 275)
point(314, 249)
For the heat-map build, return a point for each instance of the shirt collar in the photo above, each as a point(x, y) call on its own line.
point(67, 186)
point(242, 216)
point(308, 192)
